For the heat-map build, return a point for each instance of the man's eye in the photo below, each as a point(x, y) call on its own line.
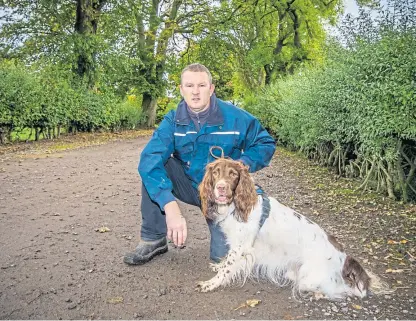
point(202, 85)
point(188, 85)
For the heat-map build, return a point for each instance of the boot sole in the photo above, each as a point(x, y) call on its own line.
point(131, 261)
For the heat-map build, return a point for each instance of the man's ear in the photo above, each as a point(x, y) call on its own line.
point(180, 90)
point(211, 89)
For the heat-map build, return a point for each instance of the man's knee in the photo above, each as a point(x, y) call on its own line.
point(218, 247)
point(218, 252)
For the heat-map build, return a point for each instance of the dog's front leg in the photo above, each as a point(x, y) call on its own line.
point(236, 261)
point(215, 267)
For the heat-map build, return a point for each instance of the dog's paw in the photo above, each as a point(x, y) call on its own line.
point(204, 286)
point(214, 267)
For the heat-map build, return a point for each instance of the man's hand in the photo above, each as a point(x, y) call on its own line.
point(176, 224)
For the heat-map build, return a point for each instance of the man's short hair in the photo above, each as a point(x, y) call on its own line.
point(196, 67)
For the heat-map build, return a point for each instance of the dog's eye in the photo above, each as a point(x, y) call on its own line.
point(233, 174)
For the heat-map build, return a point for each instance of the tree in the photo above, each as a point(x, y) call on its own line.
point(86, 24)
point(63, 32)
point(147, 32)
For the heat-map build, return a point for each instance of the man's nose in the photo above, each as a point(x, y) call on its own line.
point(195, 90)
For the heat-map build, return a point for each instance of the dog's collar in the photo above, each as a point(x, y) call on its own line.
point(265, 209)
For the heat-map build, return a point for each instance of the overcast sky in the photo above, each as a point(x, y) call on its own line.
point(352, 8)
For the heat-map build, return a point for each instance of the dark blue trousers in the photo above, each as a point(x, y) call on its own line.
point(153, 218)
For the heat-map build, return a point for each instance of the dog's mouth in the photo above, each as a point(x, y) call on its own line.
point(223, 198)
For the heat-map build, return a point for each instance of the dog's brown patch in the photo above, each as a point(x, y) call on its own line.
point(355, 275)
point(333, 240)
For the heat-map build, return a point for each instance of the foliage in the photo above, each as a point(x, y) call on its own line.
point(129, 113)
point(164, 106)
point(126, 45)
point(46, 101)
point(260, 40)
point(17, 98)
point(358, 113)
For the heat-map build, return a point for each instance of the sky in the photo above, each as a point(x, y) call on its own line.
point(351, 7)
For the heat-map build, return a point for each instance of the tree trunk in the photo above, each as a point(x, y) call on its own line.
point(50, 133)
point(86, 23)
point(37, 133)
point(268, 70)
point(389, 182)
point(149, 105)
point(2, 136)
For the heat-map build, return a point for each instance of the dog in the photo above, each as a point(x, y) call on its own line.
point(288, 248)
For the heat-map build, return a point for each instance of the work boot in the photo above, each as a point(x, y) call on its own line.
point(145, 251)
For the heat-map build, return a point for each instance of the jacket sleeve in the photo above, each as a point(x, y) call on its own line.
point(153, 159)
point(259, 146)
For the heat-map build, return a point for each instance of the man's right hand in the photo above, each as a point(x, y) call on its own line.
point(176, 224)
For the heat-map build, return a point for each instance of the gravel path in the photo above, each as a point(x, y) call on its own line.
point(56, 264)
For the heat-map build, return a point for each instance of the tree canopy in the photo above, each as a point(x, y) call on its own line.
point(138, 46)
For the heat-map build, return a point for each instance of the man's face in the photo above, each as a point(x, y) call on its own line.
point(196, 90)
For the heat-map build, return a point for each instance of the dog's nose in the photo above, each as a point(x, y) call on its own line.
point(221, 188)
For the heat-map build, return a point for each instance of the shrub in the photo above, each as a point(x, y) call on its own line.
point(357, 113)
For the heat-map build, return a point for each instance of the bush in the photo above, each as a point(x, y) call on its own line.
point(357, 113)
point(18, 97)
point(129, 113)
point(47, 100)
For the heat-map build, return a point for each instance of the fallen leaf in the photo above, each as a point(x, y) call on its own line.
point(249, 303)
point(403, 241)
point(394, 271)
point(241, 306)
point(391, 242)
point(252, 303)
point(103, 229)
point(356, 306)
point(115, 300)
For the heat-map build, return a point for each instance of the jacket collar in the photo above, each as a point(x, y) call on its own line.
point(215, 116)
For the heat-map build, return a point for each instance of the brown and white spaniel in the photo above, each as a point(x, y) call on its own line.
point(287, 249)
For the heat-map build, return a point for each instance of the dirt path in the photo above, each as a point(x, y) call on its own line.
point(55, 265)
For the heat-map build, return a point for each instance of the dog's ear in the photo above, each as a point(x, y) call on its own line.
point(245, 197)
point(206, 192)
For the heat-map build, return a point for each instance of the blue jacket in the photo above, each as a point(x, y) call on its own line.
point(240, 135)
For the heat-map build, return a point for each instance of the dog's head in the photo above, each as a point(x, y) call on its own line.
point(225, 182)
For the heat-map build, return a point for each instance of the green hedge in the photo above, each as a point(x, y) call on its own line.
point(47, 101)
point(358, 113)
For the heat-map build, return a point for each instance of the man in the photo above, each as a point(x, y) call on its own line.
point(173, 162)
